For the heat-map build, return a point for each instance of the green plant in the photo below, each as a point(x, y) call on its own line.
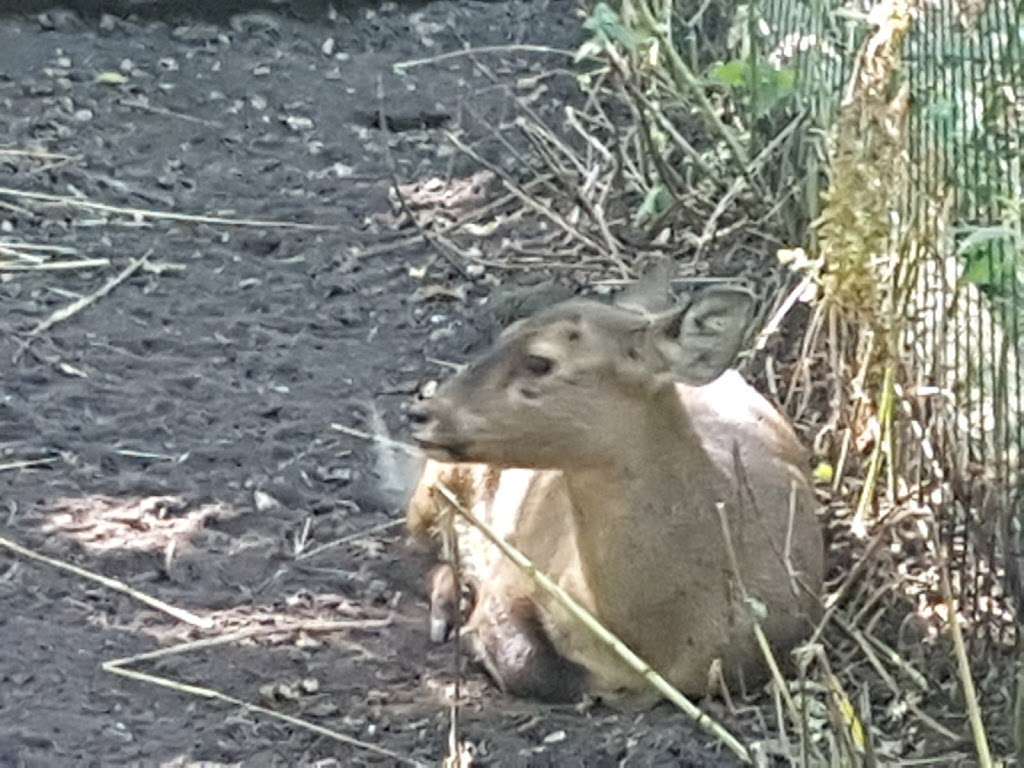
point(763, 86)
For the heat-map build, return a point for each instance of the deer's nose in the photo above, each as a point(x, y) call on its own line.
point(420, 414)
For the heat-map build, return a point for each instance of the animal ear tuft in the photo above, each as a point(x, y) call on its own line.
point(702, 339)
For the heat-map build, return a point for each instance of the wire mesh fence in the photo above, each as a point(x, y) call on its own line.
point(908, 163)
point(965, 78)
point(942, 109)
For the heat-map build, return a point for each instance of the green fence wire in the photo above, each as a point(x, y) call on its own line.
point(964, 66)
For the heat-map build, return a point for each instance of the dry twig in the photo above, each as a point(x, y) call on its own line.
point(180, 614)
point(143, 213)
point(404, 66)
point(963, 664)
point(75, 307)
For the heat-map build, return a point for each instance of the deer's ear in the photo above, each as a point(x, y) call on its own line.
point(652, 293)
point(701, 340)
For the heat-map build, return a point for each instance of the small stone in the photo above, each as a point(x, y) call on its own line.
point(264, 502)
point(341, 475)
point(328, 46)
point(287, 692)
point(120, 732)
point(297, 123)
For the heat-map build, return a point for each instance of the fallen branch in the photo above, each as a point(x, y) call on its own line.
point(27, 463)
point(54, 265)
point(402, 66)
point(75, 202)
point(180, 614)
point(77, 306)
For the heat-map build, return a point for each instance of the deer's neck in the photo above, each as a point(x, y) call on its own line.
point(648, 520)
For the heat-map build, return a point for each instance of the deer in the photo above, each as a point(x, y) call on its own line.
point(620, 451)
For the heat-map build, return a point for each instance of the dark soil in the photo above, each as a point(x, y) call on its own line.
point(186, 416)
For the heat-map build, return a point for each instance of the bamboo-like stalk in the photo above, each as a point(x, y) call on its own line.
point(885, 412)
point(963, 665)
point(54, 266)
point(581, 614)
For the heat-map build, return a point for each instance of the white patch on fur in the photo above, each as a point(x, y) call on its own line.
point(513, 486)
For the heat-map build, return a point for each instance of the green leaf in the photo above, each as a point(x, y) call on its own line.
point(981, 237)
point(989, 254)
point(732, 73)
point(982, 271)
point(765, 85)
point(785, 80)
point(655, 201)
point(604, 23)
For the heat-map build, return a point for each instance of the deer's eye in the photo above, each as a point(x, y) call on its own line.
point(538, 365)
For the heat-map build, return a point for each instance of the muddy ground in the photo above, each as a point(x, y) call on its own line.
point(183, 422)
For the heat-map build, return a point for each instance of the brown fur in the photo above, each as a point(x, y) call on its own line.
point(621, 506)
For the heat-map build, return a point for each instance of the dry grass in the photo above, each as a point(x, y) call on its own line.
point(876, 686)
